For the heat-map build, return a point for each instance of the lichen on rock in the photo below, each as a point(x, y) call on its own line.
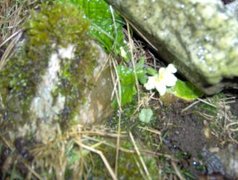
point(199, 37)
point(53, 75)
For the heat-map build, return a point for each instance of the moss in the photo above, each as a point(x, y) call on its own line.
point(55, 26)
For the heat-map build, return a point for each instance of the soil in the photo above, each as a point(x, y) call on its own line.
point(234, 108)
point(184, 135)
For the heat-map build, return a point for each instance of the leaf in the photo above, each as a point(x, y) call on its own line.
point(140, 71)
point(106, 25)
point(146, 115)
point(128, 92)
point(127, 80)
point(126, 74)
point(185, 90)
point(141, 63)
point(151, 71)
point(141, 75)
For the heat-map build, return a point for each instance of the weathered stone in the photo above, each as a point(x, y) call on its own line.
point(199, 37)
point(232, 8)
point(56, 79)
point(224, 161)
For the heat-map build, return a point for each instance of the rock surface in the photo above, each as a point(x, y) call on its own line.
point(199, 37)
point(56, 79)
point(224, 161)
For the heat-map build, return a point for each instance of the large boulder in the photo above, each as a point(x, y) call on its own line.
point(199, 36)
point(57, 78)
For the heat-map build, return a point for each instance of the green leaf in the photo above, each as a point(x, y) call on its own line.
point(127, 80)
point(128, 92)
point(106, 25)
point(140, 71)
point(126, 74)
point(128, 77)
point(151, 71)
point(146, 115)
point(141, 63)
point(141, 75)
point(185, 90)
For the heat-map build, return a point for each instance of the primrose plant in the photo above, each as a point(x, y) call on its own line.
point(160, 81)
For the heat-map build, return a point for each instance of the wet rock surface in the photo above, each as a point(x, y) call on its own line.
point(232, 7)
point(224, 162)
point(199, 37)
point(57, 78)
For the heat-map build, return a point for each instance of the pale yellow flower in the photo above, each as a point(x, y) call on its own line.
point(165, 78)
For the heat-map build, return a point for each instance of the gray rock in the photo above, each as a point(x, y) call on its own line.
point(224, 161)
point(58, 78)
point(199, 37)
point(232, 8)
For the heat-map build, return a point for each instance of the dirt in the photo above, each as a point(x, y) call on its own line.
point(234, 108)
point(184, 135)
point(184, 129)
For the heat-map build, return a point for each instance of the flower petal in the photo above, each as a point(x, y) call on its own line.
point(150, 83)
point(170, 80)
point(161, 88)
point(171, 68)
point(162, 71)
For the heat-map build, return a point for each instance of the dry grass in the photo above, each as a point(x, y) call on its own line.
point(13, 14)
point(89, 145)
point(219, 119)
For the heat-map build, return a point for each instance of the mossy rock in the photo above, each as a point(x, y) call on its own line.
point(58, 77)
point(199, 37)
